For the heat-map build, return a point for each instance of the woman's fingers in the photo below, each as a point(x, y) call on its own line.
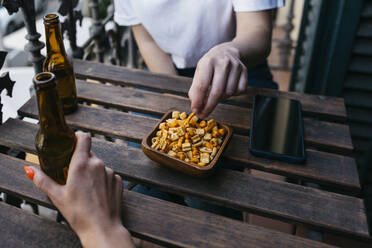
point(233, 80)
point(220, 74)
point(44, 183)
point(82, 150)
point(200, 84)
point(118, 192)
point(110, 180)
point(243, 81)
point(216, 79)
point(83, 143)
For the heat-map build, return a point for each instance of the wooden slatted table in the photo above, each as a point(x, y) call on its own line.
point(114, 114)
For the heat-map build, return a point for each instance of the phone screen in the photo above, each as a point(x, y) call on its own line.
point(276, 129)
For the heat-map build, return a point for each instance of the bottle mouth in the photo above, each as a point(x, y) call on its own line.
point(44, 80)
point(51, 19)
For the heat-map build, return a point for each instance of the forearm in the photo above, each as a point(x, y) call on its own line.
point(155, 58)
point(253, 37)
point(115, 237)
point(254, 47)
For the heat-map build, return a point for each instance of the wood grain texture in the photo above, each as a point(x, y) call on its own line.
point(327, 107)
point(20, 229)
point(129, 99)
point(327, 136)
point(320, 167)
point(324, 135)
point(293, 203)
point(134, 127)
point(146, 217)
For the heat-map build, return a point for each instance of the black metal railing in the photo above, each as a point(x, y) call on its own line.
point(5, 83)
point(67, 8)
point(107, 42)
point(34, 45)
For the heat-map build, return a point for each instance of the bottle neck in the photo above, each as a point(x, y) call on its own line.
point(54, 41)
point(51, 116)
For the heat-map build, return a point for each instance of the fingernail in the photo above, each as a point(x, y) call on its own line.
point(29, 171)
point(195, 110)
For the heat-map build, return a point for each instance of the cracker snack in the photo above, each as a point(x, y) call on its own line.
point(188, 138)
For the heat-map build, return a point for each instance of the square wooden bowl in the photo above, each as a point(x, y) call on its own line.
point(178, 164)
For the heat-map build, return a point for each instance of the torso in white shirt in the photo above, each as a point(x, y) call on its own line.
point(187, 29)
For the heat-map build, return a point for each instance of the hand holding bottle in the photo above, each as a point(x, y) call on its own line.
point(91, 199)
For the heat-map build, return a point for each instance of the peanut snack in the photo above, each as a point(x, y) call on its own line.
point(186, 138)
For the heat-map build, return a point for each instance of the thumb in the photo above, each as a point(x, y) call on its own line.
point(45, 183)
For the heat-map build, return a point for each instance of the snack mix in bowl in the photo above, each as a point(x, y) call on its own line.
point(188, 138)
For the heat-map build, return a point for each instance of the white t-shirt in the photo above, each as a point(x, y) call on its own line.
point(187, 29)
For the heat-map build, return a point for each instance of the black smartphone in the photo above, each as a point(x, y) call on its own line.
point(277, 129)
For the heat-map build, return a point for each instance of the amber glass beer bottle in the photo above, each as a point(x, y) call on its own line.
point(57, 62)
point(55, 141)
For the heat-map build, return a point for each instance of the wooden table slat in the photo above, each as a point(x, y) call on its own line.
point(285, 201)
point(321, 106)
point(19, 229)
point(338, 170)
point(321, 134)
point(130, 99)
point(146, 217)
point(320, 167)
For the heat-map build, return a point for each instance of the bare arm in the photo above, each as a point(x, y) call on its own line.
point(222, 72)
point(253, 36)
point(155, 58)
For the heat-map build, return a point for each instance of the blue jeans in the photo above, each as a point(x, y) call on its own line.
point(259, 76)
